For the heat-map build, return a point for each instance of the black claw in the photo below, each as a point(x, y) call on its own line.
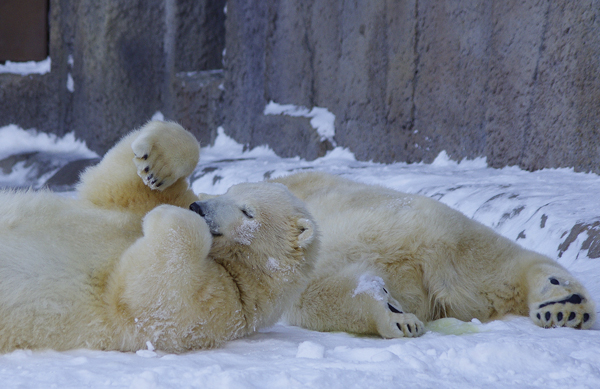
point(409, 329)
point(150, 177)
point(559, 316)
point(385, 290)
point(398, 325)
point(146, 169)
point(159, 184)
point(393, 309)
point(145, 157)
point(572, 316)
point(538, 316)
point(548, 316)
point(586, 317)
point(154, 181)
point(554, 281)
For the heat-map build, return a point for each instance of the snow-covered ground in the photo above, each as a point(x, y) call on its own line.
point(556, 212)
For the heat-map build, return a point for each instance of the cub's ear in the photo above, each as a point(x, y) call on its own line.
point(307, 232)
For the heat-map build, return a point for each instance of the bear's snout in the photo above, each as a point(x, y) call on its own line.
point(202, 209)
point(197, 207)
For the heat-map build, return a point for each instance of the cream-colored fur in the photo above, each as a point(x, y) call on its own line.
point(390, 261)
point(126, 262)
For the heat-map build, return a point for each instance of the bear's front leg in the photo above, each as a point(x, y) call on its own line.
point(147, 168)
point(353, 301)
point(166, 290)
point(164, 153)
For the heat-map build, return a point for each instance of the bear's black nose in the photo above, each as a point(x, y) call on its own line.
point(196, 207)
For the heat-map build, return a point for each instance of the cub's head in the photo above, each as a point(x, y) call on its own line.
point(262, 223)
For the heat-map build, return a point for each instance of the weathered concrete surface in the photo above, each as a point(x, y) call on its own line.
point(198, 106)
point(119, 67)
point(515, 82)
point(199, 35)
point(123, 58)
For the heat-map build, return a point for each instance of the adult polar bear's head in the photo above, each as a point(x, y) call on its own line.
point(265, 238)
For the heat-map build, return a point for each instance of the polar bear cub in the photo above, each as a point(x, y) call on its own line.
point(390, 261)
point(126, 262)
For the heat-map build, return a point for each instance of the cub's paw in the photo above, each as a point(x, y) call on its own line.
point(573, 309)
point(178, 226)
point(164, 153)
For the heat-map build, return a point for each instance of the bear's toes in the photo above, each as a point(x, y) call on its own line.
point(398, 325)
point(155, 166)
point(154, 174)
point(573, 311)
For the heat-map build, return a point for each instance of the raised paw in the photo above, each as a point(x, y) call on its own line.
point(163, 153)
point(573, 310)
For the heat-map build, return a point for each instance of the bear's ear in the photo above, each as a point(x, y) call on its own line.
point(307, 232)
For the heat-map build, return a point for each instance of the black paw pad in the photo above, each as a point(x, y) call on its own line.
point(572, 299)
point(575, 299)
point(586, 317)
point(393, 309)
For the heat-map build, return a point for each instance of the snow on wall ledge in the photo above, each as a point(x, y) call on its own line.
point(26, 68)
point(321, 119)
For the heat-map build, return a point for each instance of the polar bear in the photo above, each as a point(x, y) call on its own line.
point(127, 263)
point(390, 261)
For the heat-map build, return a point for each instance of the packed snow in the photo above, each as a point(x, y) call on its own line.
point(553, 211)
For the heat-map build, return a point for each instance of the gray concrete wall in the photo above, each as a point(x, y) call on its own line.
point(130, 59)
point(514, 81)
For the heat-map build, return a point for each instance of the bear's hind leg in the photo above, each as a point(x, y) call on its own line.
point(556, 299)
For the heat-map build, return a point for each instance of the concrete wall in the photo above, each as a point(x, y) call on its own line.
point(514, 81)
point(128, 60)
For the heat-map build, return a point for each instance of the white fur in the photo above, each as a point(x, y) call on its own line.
point(127, 264)
point(434, 261)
